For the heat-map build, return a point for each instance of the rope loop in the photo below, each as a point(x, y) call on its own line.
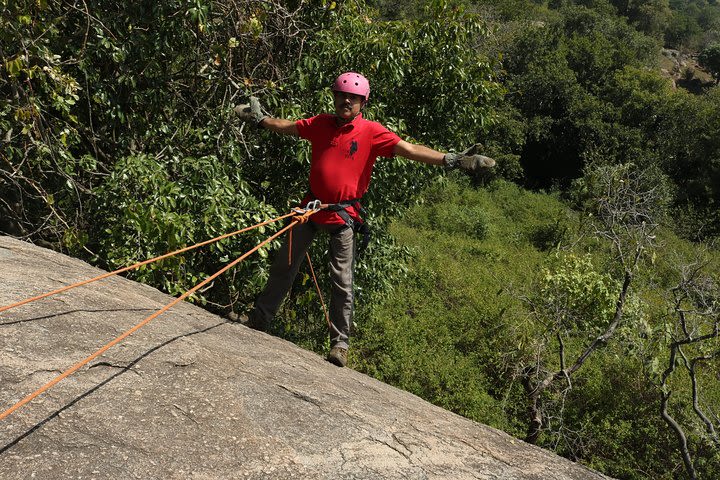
point(302, 217)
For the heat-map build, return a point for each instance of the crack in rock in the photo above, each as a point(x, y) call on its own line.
point(119, 366)
point(186, 414)
point(302, 396)
point(392, 447)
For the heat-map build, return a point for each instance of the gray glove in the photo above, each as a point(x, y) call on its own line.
point(251, 113)
point(469, 160)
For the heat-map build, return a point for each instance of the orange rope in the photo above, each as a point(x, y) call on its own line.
point(301, 216)
point(121, 337)
point(304, 216)
point(290, 235)
point(140, 264)
point(317, 288)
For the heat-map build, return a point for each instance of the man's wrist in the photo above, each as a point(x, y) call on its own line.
point(450, 160)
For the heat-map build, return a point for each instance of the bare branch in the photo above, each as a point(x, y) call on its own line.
point(680, 433)
point(695, 303)
point(625, 206)
point(695, 395)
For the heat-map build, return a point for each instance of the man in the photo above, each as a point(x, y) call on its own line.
point(344, 149)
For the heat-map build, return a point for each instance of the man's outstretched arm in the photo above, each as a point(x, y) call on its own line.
point(252, 113)
point(421, 153)
point(279, 125)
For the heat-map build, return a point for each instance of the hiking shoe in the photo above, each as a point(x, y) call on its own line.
point(338, 356)
point(253, 322)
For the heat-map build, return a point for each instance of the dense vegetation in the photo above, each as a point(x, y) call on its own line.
point(513, 290)
point(585, 320)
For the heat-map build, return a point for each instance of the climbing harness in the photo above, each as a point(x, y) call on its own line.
point(298, 216)
point(356, 225)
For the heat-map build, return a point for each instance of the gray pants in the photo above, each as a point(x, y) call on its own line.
point(342, 255)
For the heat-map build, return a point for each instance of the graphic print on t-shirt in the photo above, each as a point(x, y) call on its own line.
point(353, 148)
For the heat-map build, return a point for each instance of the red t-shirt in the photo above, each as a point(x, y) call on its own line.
point(343, 159)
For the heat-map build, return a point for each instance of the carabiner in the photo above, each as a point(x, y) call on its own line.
point(313, 205)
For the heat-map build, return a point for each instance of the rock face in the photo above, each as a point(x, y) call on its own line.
point(193, 396)
point(684, 71)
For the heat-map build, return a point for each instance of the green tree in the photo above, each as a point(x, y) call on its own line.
point(558, 76)
point(650, 16)
point(45, 169)
point(682, 31)
point(710, 59)
point(687, 135)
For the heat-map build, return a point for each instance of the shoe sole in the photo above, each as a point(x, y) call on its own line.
point(336, 361)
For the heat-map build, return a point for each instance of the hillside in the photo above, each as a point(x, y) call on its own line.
point(194, 396)
point(506, 286)
point(684, 71)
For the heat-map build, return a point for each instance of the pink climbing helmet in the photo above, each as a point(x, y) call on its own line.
point(351, 82)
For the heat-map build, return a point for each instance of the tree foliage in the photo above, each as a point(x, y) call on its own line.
point(475, 317)
point(585, 89)
point(710, 59)
point(119, 141)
